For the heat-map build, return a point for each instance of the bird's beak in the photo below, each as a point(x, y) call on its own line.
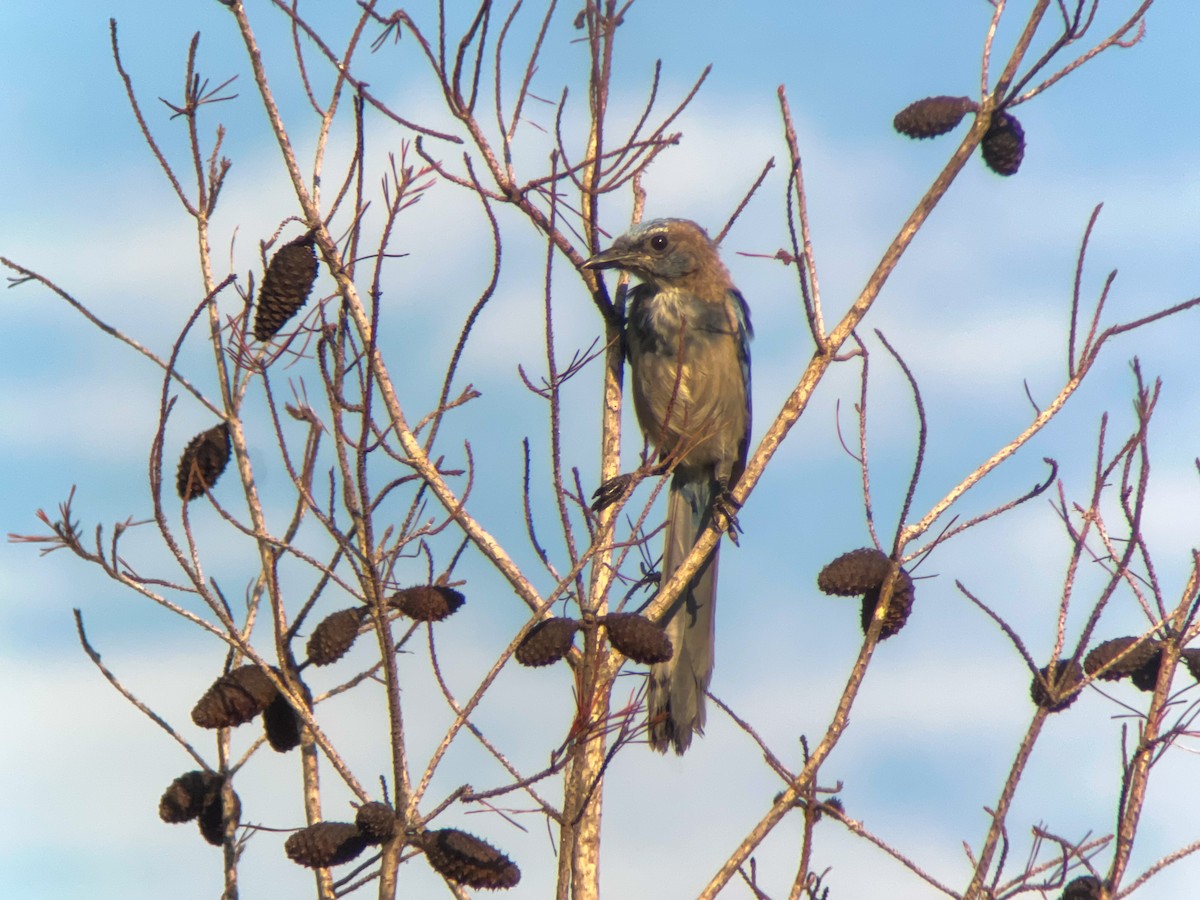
point(612, 258)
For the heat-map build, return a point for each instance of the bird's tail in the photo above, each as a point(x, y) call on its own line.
point(676, 691)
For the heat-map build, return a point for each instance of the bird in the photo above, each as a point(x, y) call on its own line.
point(687, 338)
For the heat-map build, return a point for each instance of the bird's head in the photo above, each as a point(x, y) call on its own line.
point(663, 252)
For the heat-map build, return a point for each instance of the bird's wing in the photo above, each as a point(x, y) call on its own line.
point(745, 331)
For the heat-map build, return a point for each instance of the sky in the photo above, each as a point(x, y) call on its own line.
point(978, 307)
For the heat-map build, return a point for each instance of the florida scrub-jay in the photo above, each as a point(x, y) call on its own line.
point(687, 335)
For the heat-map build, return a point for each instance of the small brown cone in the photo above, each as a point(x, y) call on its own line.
point(325, 844)
point(835, 806)
point(216, 813)
point(427, 602)
point(1191, 659)
point(202, 462)
point(335, 635)
point(1145, 676)
point(234, 698)
point(285, 286)
point(187, 794)
point(547, 642)
point(1086, 887)
point(282, 724)
point(898, 609)
point(932, 116)
point(1068, 675)
point(1129, 658)
point(376, 822)
point(466, 859)
point(638, 638)
point(1003, 146)
point(855, 572)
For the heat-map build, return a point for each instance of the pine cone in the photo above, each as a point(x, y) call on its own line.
point(427, 602)
point(234, 698)
point(285, 286)
point(376, 822)
point(466, 859)
point(325, 844)
point(282, 724)
point(1191, 659)
point(834, 805)
point(1145, 676)
point(638, 638)
point(202, 462)
point(898, 609)
point(335, 635)
point(547, 642)
point(215, 814)
point(1086, 887)
point(932, 116)
point(1003, 146)
point(855, 573)
point(187, 794)
point(1132, 660)
point(1068, 676)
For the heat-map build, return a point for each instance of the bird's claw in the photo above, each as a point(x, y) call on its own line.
point(725, 509)
point(610, 492)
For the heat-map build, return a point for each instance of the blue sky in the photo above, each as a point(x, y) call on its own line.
point(978, 307)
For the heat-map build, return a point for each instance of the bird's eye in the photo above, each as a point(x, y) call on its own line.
point(659, 242)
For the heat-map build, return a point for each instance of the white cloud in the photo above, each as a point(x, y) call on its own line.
point(111, 414)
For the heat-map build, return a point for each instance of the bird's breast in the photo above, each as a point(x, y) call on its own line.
point(686, 376)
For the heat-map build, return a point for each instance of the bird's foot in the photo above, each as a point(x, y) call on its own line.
point(725, 510)
point(611, 491)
